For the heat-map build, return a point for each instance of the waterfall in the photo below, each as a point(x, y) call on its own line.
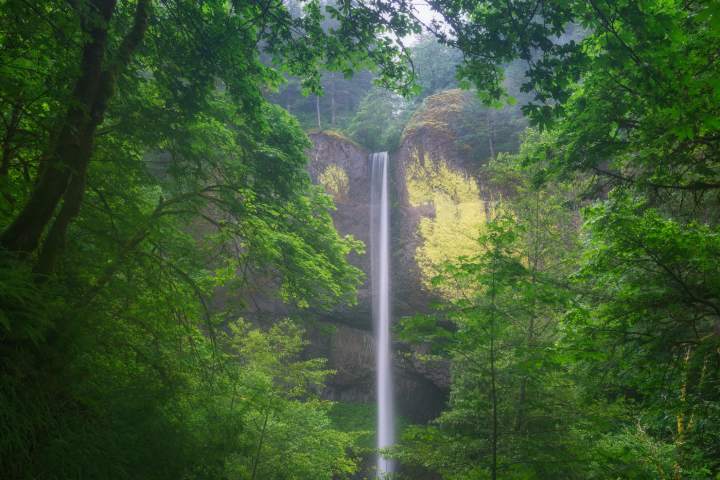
point(380, 269)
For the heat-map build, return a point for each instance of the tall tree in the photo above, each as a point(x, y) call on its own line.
point(217, 40)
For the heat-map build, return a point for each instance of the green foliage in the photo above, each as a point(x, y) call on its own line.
point(620, 381)
point(500, 328)
point(435, 65)
point(626, 96)
point(632, 454)
point(476, 132)
point(291, 435)
point(379, 121)
point(359, 420)
point(337, 105)
point(142, 172)
point(652, 316)
point(335, 180)
point(646, 108)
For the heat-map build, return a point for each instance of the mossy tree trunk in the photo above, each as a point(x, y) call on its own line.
point(64, 167)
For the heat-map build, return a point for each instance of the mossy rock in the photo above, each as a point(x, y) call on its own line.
point(336, 135)
point(439, 112)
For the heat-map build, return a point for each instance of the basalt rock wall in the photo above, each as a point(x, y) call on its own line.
point(439, 202)
point(345, 336)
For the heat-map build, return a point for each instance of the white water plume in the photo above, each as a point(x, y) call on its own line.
point(380, 269)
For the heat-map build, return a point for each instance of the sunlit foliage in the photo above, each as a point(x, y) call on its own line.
point(335, 180)
point(458, 215)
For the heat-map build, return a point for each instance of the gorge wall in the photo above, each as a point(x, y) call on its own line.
point(345, 335)
point(440, 201)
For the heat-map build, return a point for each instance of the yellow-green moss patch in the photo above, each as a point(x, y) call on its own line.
point(335, 180)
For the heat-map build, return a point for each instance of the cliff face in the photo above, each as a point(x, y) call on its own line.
point(345, 336)
point(440, 203)
point(342, 167)
point(444, 201)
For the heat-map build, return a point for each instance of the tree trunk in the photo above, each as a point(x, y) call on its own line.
point(533, 260)
point(317, 111)
point(10, 131)
point(493, 379)
point(7, 148)
point(491, 133)
point(256, 460)
point(55, 241)
point(63, 170)
point(332, 99)
point(75, 192)
point(73, 144)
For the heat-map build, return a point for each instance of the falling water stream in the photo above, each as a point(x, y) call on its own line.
point(380, 269)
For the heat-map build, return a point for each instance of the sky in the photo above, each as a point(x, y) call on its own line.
point(425, 14)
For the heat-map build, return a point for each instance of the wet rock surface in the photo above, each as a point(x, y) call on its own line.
point(450, 130)
point(420, 387)
point(420, 391)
